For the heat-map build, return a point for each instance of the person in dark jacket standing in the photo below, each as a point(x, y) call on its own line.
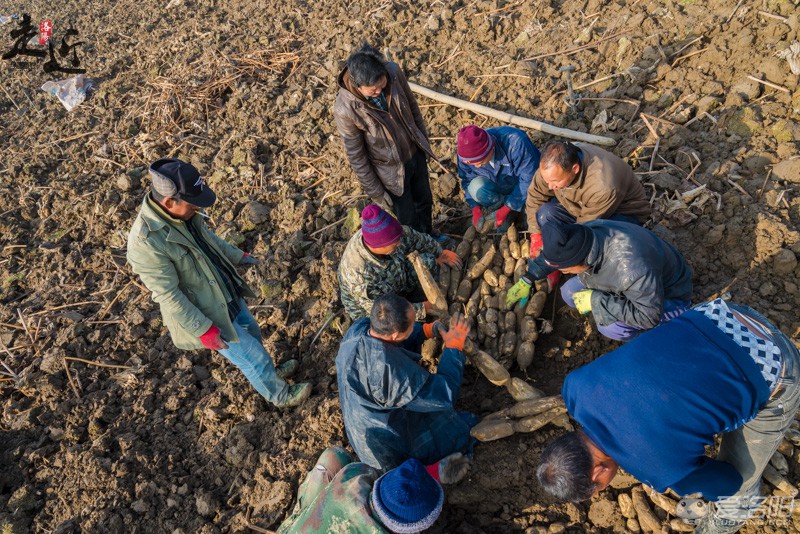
point(394, 409)
point(496, 167)
point(191, 273)
point(385, 137)
point(654, 404)
point(629, 278)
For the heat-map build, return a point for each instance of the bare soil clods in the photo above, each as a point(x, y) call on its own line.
point(171, 441)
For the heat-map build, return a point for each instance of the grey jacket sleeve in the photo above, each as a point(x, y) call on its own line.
point(640, 304)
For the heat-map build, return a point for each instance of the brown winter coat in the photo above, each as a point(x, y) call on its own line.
point(605, 186)
point(378, 142)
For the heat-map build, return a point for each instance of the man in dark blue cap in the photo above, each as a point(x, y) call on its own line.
point(629, 278)
point(191, 273)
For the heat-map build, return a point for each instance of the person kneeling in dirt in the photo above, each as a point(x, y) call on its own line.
point(579, 182)
point(394, 409)
point(496, 167)
point(374, 263)
point(654, 404)
point(191, 273)
point(629, 278)
point(340, 495)
point(384, 136)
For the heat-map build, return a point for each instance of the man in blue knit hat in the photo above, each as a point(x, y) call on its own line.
point(654, 404)
point(340, 495)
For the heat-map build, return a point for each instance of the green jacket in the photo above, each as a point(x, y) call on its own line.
point(183, 281)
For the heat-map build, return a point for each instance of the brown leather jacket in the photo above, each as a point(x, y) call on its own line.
point(606, 185)
point(378, 142)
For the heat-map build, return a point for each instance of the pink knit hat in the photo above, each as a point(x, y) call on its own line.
point(474, 144)
point(378, 228)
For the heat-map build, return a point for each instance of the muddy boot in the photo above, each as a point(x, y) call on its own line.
point(287, 369)
point(298, 393)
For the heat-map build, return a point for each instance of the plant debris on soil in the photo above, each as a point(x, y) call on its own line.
point(106, 427)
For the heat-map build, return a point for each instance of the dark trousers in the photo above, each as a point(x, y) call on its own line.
point(414, 207)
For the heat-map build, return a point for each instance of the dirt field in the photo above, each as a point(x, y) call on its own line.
point(173, 441)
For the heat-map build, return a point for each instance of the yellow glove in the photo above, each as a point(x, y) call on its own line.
point(583, 300)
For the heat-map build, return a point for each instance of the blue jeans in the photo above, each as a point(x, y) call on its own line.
point(750, 447)
point(486, 193)
point(618, 330)
point(553, 211)
point(253, 360)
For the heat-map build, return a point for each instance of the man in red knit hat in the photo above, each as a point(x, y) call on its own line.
point(374, 263)
point(496, 167)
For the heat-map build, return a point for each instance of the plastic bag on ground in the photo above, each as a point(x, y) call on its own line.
point(71, 91)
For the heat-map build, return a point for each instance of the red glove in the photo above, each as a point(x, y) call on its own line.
point(213, 339)
point(501, 214)
point(457, 335)
point(536, 245)
point(477, 213)
point(449, 258)
point(433, 471)
point(429, 328)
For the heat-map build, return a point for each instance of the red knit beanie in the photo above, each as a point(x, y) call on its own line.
point(474, 144)
point(378, 228)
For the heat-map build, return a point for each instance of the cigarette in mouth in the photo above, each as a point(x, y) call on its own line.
point(207, 216)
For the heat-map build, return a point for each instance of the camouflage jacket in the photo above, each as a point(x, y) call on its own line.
point(335, 497)
point(363, 276)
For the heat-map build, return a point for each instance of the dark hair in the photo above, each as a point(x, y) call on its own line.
point(565, 469)
point(565, 155)
point(390, 314)
point(366, 66)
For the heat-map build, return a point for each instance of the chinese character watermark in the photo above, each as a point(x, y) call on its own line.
point(26, 31)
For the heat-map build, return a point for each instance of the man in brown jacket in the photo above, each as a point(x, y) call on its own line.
point(577, 183)
point(384, 137)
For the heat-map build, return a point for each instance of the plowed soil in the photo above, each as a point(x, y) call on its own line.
point(161, 440)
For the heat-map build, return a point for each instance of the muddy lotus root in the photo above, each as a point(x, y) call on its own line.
point(492, 430)
point(529, 407)
point(535, 422)
point(491, 368)
point(536, 304)
point(648, 521)
point(521, 390)
point(502, 335)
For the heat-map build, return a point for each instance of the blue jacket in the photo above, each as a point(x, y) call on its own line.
point(653, 404)
point(633, 272)
point(515, 159)
point(393, 408)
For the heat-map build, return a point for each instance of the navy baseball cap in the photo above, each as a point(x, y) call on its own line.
point(178, 179)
